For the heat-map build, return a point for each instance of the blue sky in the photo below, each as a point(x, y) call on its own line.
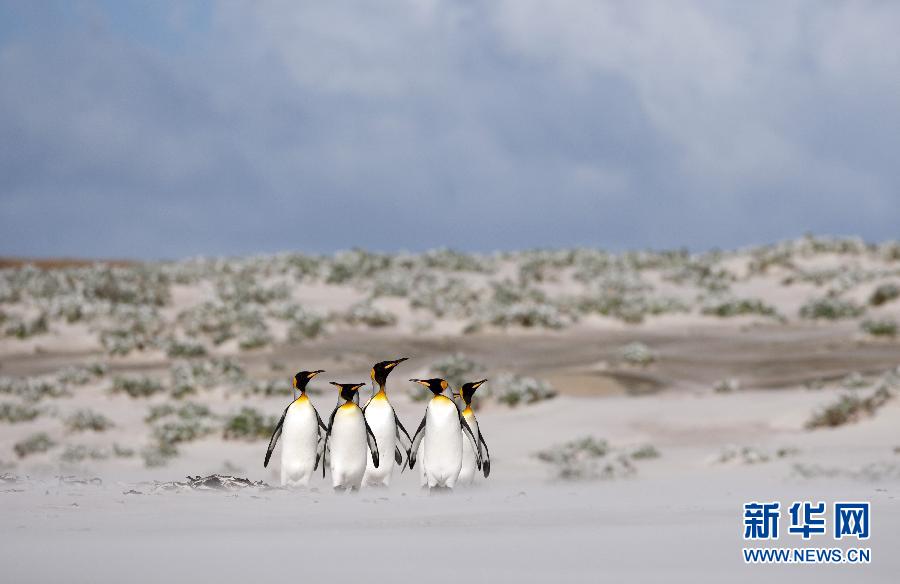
point(167, 129)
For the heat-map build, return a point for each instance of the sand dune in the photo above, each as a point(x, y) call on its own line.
point(723, 392)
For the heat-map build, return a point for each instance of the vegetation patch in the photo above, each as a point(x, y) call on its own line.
point(850, 408)
point(134, 328)
point(729, 385)
point(87, 420)
point(158, 454)
point(512, 390)
point(32, 389)
point(248, 424)
point(81, 374)
point(830, 308)
point(33, 444)
point(726, 308)
point(13, 413)
point(303, 324)
point(254, 339)
point(749, 455)
point(190, 376)
point(645, 452)
point(365, 313)
point(172, 425)
point(23, 329)
point(587, 458)
point(884, 293)
point(883, 327)
point(75, 453)
point(137, 386)
point(185, 348)
point(637, 354)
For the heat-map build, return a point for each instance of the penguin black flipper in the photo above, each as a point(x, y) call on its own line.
point(476, 445)
point(400, 428)
point(373, 445)
point(414, 446)
point(276, 434)
point(319, 418)
point(327, 434)
point(486, 463)
point(398, 458)
point(320, 454)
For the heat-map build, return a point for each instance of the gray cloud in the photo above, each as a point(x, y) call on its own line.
point(270, 126)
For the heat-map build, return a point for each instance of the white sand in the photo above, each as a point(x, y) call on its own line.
point(677, 518)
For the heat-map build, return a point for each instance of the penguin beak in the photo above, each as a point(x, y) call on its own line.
point(314, 373)
point(395, 362)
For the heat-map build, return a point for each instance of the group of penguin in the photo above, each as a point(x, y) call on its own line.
point(363, 444)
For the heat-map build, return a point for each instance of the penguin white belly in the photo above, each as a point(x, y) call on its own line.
point(468, 471)
point(443, 443)
point(299, 439)
point(347, 444)
point(381, 420)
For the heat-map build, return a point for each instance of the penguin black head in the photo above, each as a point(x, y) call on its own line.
point(381, 370)
point(436, 385)
point(348, 390)
point(303, 377)
point(468, 390)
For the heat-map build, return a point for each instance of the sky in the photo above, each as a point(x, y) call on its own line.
point(171, 129)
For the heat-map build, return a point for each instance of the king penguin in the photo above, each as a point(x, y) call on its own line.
point(389, 432)
point(442, 428)
point(350, 435)
point(300, 425)
point(467, 474)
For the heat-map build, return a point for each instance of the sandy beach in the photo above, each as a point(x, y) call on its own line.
point(695, 414)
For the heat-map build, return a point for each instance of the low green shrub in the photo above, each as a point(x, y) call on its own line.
point(729, 307)
point(880, 328)
point(513, 390)
point(137, 386)
point(248, 424)
point(586, 458)
point(367, 314)
point(638, 354)
point(33, 444)
point(849, 408)
point(884, 293)
point(830, 308)
point(87, 420)
point(185, 349)
point(13, 413)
